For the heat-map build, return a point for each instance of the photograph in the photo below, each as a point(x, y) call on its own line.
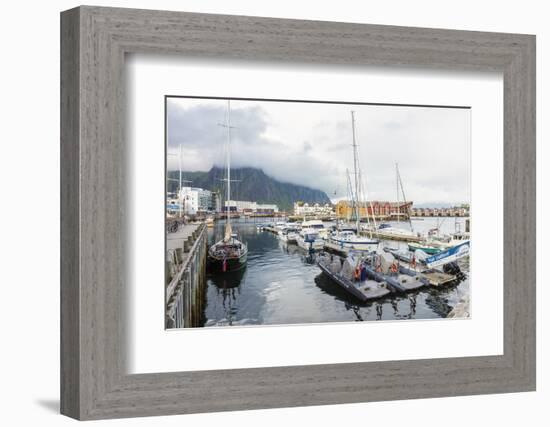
point(285, 212)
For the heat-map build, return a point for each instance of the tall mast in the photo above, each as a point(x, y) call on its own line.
point(363, 196)
point(349, 194)
point(228, 126)
point(228, 161)
point(179, 195)
point(397, 190)
point(355, 169)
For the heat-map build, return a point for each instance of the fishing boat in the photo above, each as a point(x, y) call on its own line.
point(230, 253)
point(349, 275)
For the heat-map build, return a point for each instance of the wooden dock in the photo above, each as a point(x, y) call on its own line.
point(390, 236)
point(186, 252)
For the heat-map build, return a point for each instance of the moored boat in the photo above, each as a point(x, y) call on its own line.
point(229, 254)
point(347, 274)
point(386, 268)
point(449, 255)
point(349, 240)
point(289, 234)
point(427, 248)
point(388, 231)
point(316, 225)
point(309, 239)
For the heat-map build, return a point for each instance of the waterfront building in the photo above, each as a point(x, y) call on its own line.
point(248, 207)
point(216, 204)
point(344, 209)
point(195, 200)
point(266, 208)
point(316, 209)
point(240, 205)
point(455, 211)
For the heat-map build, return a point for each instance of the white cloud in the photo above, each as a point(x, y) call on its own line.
point(310, 144)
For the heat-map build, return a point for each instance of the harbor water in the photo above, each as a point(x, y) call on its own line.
point(283, 285)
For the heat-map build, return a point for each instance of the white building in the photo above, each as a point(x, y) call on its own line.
point(305, 209)
point(240, 205)
point(250, 207)
point(195, 200)
point(266, 208)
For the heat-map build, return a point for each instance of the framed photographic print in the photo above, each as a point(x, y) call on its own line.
point(279, 190)
point(292, 213)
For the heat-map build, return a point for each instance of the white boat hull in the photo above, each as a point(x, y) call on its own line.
point(360, 245)
point(315, 245)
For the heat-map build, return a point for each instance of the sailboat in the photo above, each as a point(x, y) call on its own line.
point(388, 231)
point(229, 254)
point(346, 237)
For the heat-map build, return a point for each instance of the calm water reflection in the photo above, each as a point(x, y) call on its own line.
point(282, 285)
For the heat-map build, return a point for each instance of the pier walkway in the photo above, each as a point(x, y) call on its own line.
point(186, 252)
point(176, 240)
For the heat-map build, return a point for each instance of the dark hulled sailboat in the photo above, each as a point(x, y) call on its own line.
point(229, 254)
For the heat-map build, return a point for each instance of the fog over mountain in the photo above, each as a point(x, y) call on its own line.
point(309, 144)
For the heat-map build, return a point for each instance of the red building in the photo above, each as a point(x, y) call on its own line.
point(344, 209)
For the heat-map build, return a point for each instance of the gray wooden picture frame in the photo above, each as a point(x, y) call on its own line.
point(94, 41)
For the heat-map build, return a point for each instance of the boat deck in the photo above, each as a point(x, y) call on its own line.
point(409, 283)
point(371, 289)
point(364, 291)
point(402, 238)
point(436, 278)
point(336, 249)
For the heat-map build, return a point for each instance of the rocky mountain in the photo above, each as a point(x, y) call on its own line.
point(254, 185)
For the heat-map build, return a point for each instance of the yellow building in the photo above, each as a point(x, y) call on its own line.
point(344, 209)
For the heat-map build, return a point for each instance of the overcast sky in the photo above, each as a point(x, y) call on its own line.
point(310, 144)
